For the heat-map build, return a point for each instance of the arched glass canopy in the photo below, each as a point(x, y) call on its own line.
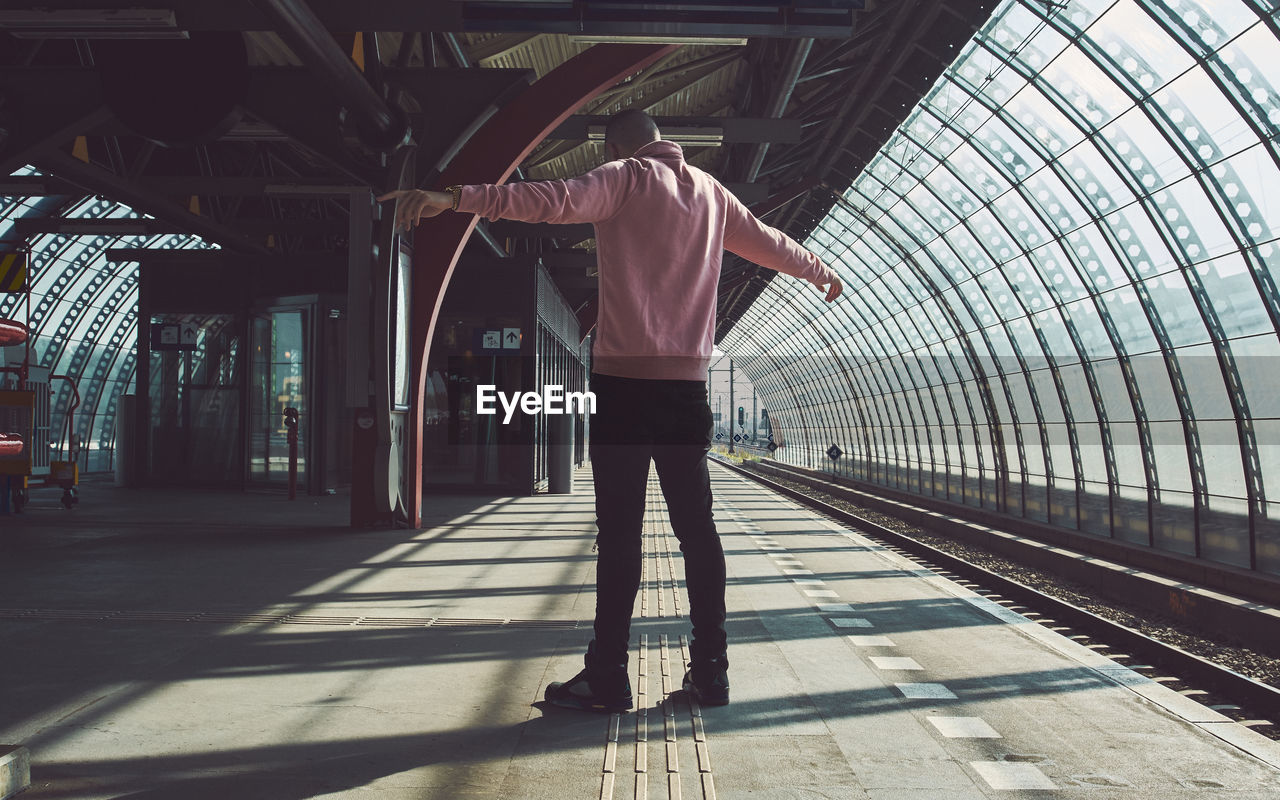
point(1061, 284)
point(83, 313)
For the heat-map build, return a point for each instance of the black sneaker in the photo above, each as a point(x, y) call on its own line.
point(709, 685)
point(578, 693)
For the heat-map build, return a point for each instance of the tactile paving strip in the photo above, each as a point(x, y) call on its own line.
point(676, 722)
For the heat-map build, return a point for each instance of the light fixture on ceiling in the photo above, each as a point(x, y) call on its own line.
point(694, 136)
point(89, 23)
point(622, 38)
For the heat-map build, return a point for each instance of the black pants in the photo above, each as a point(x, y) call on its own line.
point(669, 422)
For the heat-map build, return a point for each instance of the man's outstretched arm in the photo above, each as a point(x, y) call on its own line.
point(592, 197)
point(771, 248)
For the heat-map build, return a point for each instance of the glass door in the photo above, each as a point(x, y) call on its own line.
point(278, 380)
point(195, 399)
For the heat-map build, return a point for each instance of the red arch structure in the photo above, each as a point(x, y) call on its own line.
point(490, 156)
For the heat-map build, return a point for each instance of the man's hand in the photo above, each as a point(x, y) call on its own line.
point(415, 205)
point(834, 290)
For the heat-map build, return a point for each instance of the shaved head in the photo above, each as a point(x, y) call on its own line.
point(629, 130)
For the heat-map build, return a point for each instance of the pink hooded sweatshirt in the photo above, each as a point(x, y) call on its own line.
point(661, 229)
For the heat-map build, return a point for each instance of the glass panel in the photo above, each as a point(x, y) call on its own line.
point(1224, 527)
point(1174, 523)
point(1177, 309)
point(278, 382)
point(1269, 540)
point(1148, 61)
point(1245, 58)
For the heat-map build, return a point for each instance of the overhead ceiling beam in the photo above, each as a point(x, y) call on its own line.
point(322, 260)
point(124, 226)
point(687, 79)
point(380, 125)
point(797, 18)
point(487, 237)
point(778, 102)
point(819, 19)
point(499, 46)
point(549, 149)
point(783, 196)
point(37, 186)
point(98, 181)
point(657, 71)
point(735, 129)
point(235, 185)
point(46, 115)
point(870, 31)
point(336, 15)
point(110, 226)
point(918, 16)
point(52, 105)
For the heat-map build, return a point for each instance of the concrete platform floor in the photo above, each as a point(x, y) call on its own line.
point(173, 644)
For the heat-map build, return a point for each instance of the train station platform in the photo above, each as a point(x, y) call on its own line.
point(163, 644)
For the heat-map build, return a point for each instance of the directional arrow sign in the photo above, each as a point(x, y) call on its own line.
point(834, 452)
point(511, 338)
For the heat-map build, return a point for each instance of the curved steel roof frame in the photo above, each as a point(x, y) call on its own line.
point(84, 314)
point(1088, 219)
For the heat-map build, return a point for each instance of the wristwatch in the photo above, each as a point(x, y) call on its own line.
point(456, 191)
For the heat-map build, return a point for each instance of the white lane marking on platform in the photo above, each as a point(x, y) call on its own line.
point(850, 622)
point(833, 608)
point(964, 728)
point(871, 641)
point(1001, 775)
point(894, 662)
point(797, 572)
point(772, 547)
point(925, 691)
point(821, 593)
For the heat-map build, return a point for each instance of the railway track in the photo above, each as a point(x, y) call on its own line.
point(1238, 696)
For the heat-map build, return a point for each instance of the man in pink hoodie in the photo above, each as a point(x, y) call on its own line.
point(661, 229)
